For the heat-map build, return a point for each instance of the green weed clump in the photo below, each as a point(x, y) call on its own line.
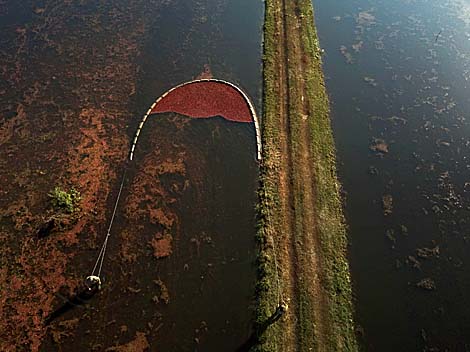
point(67, 202)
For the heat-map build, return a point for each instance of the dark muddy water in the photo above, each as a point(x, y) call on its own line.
point(397, 73)
point(210, 274)
point(180, 272)
point(199, 297)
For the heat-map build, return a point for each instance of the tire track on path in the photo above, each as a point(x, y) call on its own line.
point(301, 258)
point(305, 219)
point(312, 298)
point(285, 235)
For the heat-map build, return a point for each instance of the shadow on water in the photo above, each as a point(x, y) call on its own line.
point(251, 342)
point(260, 329)
point(77, 300)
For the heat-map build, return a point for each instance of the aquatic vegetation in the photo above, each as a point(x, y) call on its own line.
point(365, 18)
point(371, 81)
point(65, 201)
point(162, 245)
point(347, 55)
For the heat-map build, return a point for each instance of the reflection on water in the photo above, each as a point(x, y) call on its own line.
point(398, 76)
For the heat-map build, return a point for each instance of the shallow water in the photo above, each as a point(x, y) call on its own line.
point(209, 275)
point(179, 268)
point(397, 73)
point(76, 79)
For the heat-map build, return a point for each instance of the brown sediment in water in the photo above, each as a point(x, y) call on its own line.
point(139, 344)
point(146, 189)
point(162, 245)
point(67, 127)
point(206, 99)
point(64, 126)
point(206, 73)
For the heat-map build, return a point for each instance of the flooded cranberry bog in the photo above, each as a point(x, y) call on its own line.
point(77, 77)
point(398, 77)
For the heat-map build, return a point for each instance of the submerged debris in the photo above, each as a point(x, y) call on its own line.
point(413, 262)
point(373, 170)
point(138, 344)
point(426, 253)
point(387, 204)
point(371, 81)
point(404, 230)
point(426, 284)
point(163, 295)
point(390, 233)
point(347, 55)
point(133, 290)
point(379, 146)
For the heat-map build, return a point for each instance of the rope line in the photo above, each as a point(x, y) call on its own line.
point(117, 200)
point(102, 257)
point(97, 260)
point(102, 253)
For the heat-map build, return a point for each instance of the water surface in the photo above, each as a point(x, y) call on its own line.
point(76, 79)
point(397, 73)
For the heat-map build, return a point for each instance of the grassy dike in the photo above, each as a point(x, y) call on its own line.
point(329, 221)
point(268, 193)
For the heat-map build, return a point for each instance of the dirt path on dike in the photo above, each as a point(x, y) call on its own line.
point(299, 258)
point(302, 224)
point(288, 272)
